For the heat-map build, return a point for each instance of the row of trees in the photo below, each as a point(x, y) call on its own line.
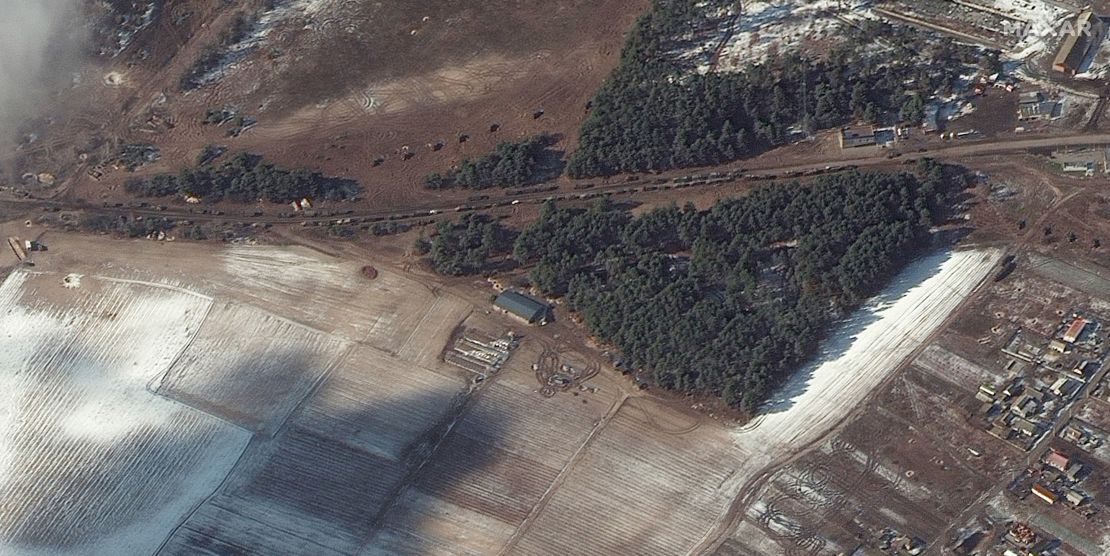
point(728, 300)
point(510, 164)
point(103, 223)
point(246, 178)
point(655, 112)
point(464, 247)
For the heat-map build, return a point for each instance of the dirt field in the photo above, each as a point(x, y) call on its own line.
point(334, 85)
point(918, 461)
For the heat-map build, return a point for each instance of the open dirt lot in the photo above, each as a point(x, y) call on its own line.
point(333, 85)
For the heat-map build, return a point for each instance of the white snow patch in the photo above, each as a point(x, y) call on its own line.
point(91, 462)
point(72, 281)
point(866, 348)
point(780, 25)
point(1043, 22)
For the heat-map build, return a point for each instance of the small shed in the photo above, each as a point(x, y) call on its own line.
point(1072, 434)
point(523, 306)
point(1085, 369)
point(851, 137)
point(1075, 497)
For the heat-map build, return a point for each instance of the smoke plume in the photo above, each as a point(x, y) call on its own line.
point(38, 41)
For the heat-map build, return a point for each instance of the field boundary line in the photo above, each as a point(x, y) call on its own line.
point(560, 478)
point(339, 359)
point(176, 358)
point(423, 318)
point(171, 287)
point(254, 437)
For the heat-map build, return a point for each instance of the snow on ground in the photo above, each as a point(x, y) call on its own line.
point(1041, 30)
point(779, 25)
point(867, 347)
point(272, 18)
point(91, 462)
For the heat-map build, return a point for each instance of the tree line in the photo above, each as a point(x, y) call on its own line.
point(465, 247)
point(655, 112)
point(245, 178)
point(724, 301)
point(510, 164)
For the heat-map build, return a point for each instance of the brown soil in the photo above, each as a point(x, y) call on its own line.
point(335, 90)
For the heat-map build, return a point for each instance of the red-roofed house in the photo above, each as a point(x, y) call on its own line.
point(1057, 460)
point(1075, 329)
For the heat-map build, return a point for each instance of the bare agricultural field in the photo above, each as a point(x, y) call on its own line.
point(1072, 275)
point(955, 369)
point(335, 427)
point(635, 476)
point(249, 367)
point(871, 478)
point(90, 461)
point(527, 444)
point(323, 293)
point(336, 84)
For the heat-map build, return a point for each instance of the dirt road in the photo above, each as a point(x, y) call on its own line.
point(616, 185)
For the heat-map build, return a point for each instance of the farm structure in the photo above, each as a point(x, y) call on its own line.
point(345, 384)
point(1080, 40)
point(1034, 106)
point(522, 306)
point(1089, 162)
point(480, 353)
point(851, 137)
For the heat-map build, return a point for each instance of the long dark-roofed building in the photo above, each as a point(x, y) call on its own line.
point(523, 306)
point(1088, 32)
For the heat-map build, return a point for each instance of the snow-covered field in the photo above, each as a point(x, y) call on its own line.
point(868, 347)
point(329, 295)
point(86, 451)
point(768, 26)
point(778, 25)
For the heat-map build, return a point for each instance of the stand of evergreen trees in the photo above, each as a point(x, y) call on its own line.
point(245, 178)
point(509, 165)
point(728, 300)
point(655, 112)
point(465, 247)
